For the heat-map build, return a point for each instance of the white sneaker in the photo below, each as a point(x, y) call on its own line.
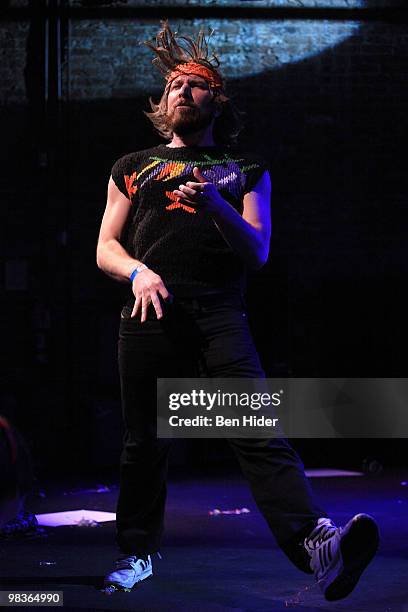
point(128, 572)
point(339, 555)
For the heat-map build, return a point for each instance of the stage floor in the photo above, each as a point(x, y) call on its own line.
point(210, 562)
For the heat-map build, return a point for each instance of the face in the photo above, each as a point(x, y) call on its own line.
point(190, 104)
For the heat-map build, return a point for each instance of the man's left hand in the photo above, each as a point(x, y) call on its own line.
point(201, 193)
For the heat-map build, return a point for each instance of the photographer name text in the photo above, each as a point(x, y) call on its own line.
point(221, 421)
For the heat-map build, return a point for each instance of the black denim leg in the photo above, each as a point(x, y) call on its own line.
point(146, 351)
point(212, 337)
point(272, 467)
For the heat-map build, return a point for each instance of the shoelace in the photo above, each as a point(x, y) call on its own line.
point(131, 562)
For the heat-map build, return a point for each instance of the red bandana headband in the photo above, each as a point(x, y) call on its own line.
point(213, 79)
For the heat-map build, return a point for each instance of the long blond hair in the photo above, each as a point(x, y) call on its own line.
point(171, 50)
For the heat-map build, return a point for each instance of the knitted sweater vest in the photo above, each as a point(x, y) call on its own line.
point(180, 242)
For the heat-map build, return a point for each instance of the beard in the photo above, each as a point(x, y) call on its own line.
point(184, 121)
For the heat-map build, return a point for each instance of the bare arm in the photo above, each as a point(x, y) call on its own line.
point(115, 261)
point(249, 235)
point(111, 257)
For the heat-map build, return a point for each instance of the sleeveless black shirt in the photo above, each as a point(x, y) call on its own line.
point(182, 243)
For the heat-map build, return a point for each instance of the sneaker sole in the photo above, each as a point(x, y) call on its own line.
point(358, 546)
point(121, 587)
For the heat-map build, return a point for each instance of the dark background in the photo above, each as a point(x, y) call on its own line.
point(331, 300)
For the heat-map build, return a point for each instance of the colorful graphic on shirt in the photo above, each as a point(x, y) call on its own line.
point(131, 188)
point(226, 173)
point(171, 170)
point(177, 203)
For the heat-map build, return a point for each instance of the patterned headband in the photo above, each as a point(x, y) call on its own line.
point(213, 79)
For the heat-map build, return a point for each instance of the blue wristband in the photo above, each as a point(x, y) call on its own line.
point(132, 276)
point(136, 271)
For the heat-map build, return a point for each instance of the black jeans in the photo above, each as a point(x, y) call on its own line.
point(203, 336)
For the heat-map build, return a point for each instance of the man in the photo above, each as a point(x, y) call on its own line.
point(182, 223)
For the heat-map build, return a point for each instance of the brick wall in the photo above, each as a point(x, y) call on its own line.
point(107, 59)
point(13, 40)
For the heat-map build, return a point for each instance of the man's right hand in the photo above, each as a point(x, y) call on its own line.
point(146, 287)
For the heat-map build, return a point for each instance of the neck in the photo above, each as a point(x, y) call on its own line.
point(203, 138)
